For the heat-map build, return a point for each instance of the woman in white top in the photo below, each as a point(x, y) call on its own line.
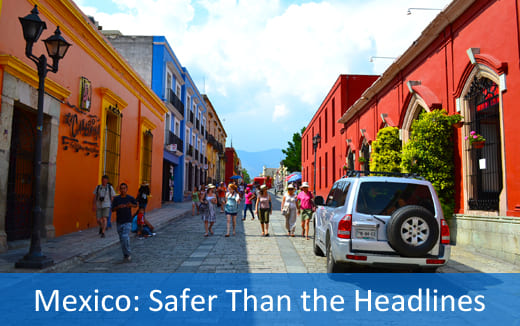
point(231, 208)
point(290, 204)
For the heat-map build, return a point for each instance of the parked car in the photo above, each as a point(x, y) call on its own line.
point(392, 220)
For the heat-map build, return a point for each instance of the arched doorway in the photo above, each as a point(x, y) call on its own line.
point(416, 106)
point(484, 165)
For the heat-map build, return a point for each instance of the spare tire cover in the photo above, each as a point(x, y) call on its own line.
point(412, 231)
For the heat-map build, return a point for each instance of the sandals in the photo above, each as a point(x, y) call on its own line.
point(227, 235)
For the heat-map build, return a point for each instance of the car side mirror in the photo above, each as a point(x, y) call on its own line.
point(318, 201)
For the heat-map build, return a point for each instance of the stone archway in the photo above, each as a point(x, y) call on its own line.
point(415, 107)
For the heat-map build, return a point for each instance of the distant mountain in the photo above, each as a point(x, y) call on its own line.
point(254, 162)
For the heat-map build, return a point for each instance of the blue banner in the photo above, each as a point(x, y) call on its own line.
point(260, 299)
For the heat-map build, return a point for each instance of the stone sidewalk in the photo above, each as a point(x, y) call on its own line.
point(72, 248)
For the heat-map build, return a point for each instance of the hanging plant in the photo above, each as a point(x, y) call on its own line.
point(476, 140)
point(362, 160)
point(345, 167)
point(457, 120)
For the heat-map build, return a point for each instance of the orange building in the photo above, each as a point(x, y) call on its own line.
point(100, 118)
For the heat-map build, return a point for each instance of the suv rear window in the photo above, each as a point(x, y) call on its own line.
point(383, 198)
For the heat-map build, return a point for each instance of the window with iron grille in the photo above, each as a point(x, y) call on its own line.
point(146, 162)
point(112, 148)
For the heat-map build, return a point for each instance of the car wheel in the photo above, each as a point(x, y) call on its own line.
point(412, 231)
point(315, 247)
point(332, 266)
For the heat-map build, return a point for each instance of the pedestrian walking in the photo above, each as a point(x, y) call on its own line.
point(231, 208)
point(248, 204)
point(195, 201)
point(208, 209)
point(290, 209)
point(306, 204)
point(221, 192)
point(102, 201)
point(123, 205)
point(263, 202)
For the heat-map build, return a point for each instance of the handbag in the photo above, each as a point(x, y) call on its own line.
point(285, 210)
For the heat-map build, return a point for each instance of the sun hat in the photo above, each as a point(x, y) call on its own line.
point(262, 187)
point(210, 186)
point(305, 185)
point(290, 186)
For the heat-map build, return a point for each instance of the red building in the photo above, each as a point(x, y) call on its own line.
point(232, 164)
point(331, 152)
point(465, 61)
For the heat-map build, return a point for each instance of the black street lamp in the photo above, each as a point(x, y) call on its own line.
point(315, 142)
point(56, 47)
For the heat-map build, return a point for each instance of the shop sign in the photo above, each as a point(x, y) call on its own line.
point(85, 94)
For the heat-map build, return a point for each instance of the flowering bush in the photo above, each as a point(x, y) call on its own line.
point(474, 137)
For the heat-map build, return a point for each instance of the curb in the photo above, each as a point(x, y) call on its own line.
point(74, 260)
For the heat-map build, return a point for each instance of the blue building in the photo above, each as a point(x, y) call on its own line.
point(184, 156)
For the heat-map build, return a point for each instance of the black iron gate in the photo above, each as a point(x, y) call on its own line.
point(21, 176)
point(486, 172)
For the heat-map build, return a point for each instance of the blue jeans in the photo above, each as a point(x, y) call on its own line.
point(124, 237)
point(250, 207)
point(109, 222)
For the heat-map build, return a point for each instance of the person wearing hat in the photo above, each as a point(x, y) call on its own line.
point(209, 215)
point(305, 210)
point(289, 209)
point(266, 208)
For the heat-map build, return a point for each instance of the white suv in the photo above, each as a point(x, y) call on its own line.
point(390, 220)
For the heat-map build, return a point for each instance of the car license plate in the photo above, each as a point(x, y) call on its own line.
point(366, 234)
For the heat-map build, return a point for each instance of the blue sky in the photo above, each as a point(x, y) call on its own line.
point(266, 65)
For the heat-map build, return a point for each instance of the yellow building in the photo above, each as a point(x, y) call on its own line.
point(216, 137)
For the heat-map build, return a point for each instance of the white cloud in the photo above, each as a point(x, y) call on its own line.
point(280, 111)
point(275, 54)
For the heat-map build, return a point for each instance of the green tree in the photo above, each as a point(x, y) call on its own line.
point(386, 151)
point(430, 154)
point(293, 153)
point(245, 176)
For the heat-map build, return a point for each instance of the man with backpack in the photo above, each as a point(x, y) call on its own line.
point(102, 202)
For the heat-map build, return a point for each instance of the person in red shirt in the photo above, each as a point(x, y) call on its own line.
point(249, 204)
point(221, 191)
point(140, 222)
point(306, 204)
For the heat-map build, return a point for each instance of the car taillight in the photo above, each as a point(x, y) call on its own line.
point(354, 257)
point(445, 232)
point(345, 227)
point(435, 261)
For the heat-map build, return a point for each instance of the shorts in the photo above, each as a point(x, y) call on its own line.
point(263, 216)
point(232, 214)
point(306, 214)
point(102, 212)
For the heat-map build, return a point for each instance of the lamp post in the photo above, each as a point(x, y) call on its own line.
point(315, 142)
point(56, 47)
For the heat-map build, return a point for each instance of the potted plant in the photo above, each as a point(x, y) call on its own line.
point(362, 160)
point(476, 140)
point(345, 167)
point(457, 120)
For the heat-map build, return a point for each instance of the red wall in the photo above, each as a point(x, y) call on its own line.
point(331, 153)
point(443, 68)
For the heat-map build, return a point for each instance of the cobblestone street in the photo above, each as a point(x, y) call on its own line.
point(181, 247)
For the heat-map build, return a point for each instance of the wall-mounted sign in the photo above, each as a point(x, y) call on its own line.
point(85, 94)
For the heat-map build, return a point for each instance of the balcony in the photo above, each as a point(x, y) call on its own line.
point(172, 138)
point(175, 101)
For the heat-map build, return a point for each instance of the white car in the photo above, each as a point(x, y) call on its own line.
point(393, 220)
